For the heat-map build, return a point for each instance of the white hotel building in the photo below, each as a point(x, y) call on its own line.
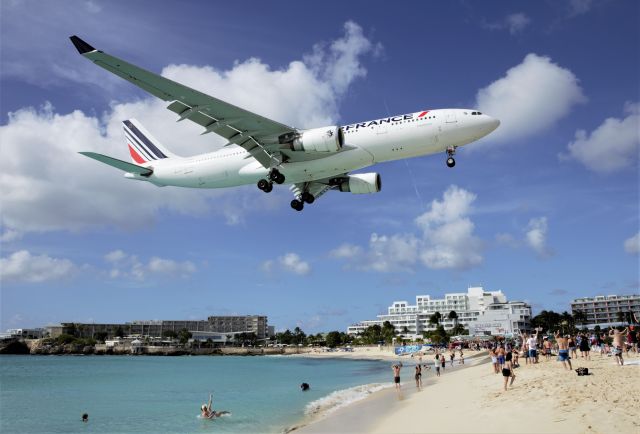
point(481, 312)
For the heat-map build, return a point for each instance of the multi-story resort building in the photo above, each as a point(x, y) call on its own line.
point(604, 310)
point(216, 328)
point(481, 312)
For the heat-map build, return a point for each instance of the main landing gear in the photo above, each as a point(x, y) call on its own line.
point(305, 197)
point(451, 151)
point(274, 176)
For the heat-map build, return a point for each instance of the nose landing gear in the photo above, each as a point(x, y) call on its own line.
point(451, 151)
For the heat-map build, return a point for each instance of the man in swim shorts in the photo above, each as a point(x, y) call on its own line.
point(396, 375)
point(563, 350)
point(618, 343)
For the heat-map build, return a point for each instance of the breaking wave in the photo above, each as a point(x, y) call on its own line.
point(341, 398)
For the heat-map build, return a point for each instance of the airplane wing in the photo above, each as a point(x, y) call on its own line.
point(119, 164)
point(253, 132)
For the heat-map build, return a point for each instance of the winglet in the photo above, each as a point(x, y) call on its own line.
point(81, 45)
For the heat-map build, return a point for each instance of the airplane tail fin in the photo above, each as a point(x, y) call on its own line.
point(143, 147)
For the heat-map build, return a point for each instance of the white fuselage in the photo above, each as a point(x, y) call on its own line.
point(365, 144)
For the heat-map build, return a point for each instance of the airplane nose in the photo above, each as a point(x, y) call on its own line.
point(493, 123)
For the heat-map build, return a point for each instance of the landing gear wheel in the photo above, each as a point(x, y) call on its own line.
point(276, 176)
point(297, 205)
point(451, 162)
point(265, 185)
point(307, 197)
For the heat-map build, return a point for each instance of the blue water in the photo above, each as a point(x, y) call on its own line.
point(125, 394)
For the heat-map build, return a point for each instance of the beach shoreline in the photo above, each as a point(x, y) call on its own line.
point(605, 401)
point(356, 412)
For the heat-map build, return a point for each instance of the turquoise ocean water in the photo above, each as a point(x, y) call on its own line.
point(41, 394)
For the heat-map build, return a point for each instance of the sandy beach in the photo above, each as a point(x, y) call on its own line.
point(545, 398)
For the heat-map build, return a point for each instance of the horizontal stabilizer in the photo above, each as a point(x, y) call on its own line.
point(119, 164)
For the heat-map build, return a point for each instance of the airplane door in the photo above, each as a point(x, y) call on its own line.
point(450, 118)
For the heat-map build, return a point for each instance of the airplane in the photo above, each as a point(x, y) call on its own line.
point(263, 151)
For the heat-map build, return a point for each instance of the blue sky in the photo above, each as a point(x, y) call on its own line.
point(545, 209)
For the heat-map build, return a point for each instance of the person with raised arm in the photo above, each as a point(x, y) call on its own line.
point(563, 350)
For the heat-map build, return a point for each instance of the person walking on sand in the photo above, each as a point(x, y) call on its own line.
point(443, 361)
point(436, 363)
point(563, 350)
point(507, 371)
point(452, 356)
point(617, 344)
point(396, 375)
point(461, 357)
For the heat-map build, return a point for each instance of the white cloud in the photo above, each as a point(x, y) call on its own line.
point(346, 251)
point(614, 145)
point(115, 256)
point(530, 98)
point(290, 263)
point(124, 265)
point(515, 23)
point(632, 244)
point(22, 266)
point(536, 236)
point(446, 240)
point(579, 7)
point(45, 185)
point(10, 235)
point(448, 232)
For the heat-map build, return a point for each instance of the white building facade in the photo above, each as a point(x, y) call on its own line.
point(481, 312)
point(602, 310)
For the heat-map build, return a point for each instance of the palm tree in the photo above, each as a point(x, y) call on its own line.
point(453, 316)
point(579, 317)
point(435, 318)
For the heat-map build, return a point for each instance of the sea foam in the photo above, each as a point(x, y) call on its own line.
point(341, 398)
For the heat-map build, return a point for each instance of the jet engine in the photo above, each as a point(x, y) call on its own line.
point(361, 183)
point(325, 140)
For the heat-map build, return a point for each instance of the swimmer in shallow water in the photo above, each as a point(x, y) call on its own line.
point(207, 412)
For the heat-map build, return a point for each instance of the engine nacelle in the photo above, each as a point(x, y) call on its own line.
point(362, 183)
point(327, 139)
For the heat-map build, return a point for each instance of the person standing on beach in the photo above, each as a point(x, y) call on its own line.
point(546, 346)
point(617, 344)
point(442, 361)
point(494, 360)
point(585, 346)
point(500, 354)
point(436, 364)
point(396, 375)
point(533, 347)
point(571, 341)
point(563, 350)
point(452, 356)
point(418, 376)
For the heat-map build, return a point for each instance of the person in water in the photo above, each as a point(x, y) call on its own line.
point(304, 387)
point(207, 412)
point(85, 417)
